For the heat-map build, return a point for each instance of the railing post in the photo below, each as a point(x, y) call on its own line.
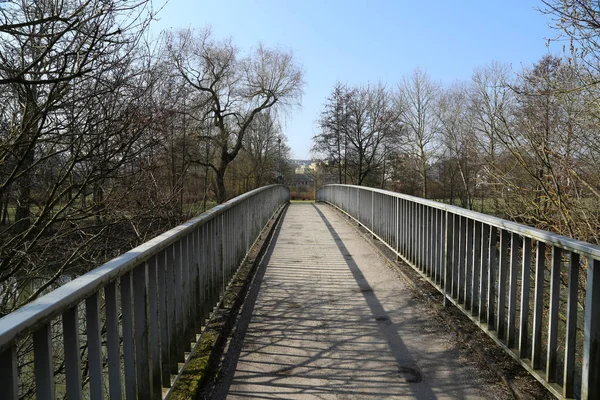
point(403, 227)
point(163, 317)
point(112, 339)
point(9, 373)
point(448, 255)
point(171, 297)
point(462, 263)
point(140, 318)
point(153, 323)
point(358, 204)
point(186, 297)
point(553, 314)
point(128, 351)
point(421, 235)
point(475, 267)
point(456, 253)
point(525, 282)
point(469, 256)
point(397, 229)
point(511, 330)
point(414, 233)
point(72, 351)
point(221, 254)
point(483, 271)
point(502, 273)
point(94, 342)
point(179, 332)
point(571, 332)
point(491, 284)
point(42, 363)
point(536, 339)
point(590, 389)
point(441, 243)
point(372, 214)
point(431, 240)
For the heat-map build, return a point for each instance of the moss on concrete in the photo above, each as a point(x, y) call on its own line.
point(189, 380)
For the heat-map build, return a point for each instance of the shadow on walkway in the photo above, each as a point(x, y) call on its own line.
point(325, 319)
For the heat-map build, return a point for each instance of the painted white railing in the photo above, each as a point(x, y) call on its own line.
point(141, 310)
point(519, 284)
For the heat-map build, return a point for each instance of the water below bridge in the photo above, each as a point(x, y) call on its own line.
point(329, 318)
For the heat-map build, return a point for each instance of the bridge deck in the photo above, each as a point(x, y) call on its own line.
point(329, 319)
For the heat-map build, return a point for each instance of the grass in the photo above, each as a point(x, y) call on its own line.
point(196, 208)
point(485, 207)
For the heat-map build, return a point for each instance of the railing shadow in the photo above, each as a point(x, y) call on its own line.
point(321, 330)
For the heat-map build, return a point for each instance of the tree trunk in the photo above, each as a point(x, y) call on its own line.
point(23, 183)
point(182, 176)
point(98, 201)
point(360, 171)
point(339, 152)
point(424, 175)
point(220, 185)
point(23, 208)
point(205, 194)
point(5, 216)
point(83, 197)
point(468, 201)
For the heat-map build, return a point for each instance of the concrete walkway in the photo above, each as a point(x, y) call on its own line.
point(327, 318)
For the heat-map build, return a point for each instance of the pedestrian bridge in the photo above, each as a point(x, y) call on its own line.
point(327, 316)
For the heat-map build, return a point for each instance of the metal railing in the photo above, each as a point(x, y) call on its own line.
point(124, 327)
point(521, 285)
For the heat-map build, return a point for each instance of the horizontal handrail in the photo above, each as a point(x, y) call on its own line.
point(567, 243)
point(497, 273)
point(161, 279)
point(28, 317)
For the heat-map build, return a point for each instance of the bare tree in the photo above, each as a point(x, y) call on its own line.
point(260, 156)
point(358, 129)
point(48, 42)
point(491, 104)
point(45, 47)
point(331, 141)
point(548, 143)
point(459, 137)
point(371, 121)
point(233, 89)
point(73, 123)
point(416, 102)
point(579, 22)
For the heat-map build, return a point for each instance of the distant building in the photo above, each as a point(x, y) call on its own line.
point(297, 163)
point(303, 182)
point(300, 166)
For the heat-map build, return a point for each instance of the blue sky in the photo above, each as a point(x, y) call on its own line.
point(356, 42)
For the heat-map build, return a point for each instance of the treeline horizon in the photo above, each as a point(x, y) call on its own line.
point(522, 145)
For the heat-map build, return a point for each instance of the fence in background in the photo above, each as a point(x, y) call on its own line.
point(124, 327)
point(535, 293)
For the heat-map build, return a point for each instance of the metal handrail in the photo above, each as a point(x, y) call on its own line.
point(203, 251)
point(485, 265)
point(567, 243)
